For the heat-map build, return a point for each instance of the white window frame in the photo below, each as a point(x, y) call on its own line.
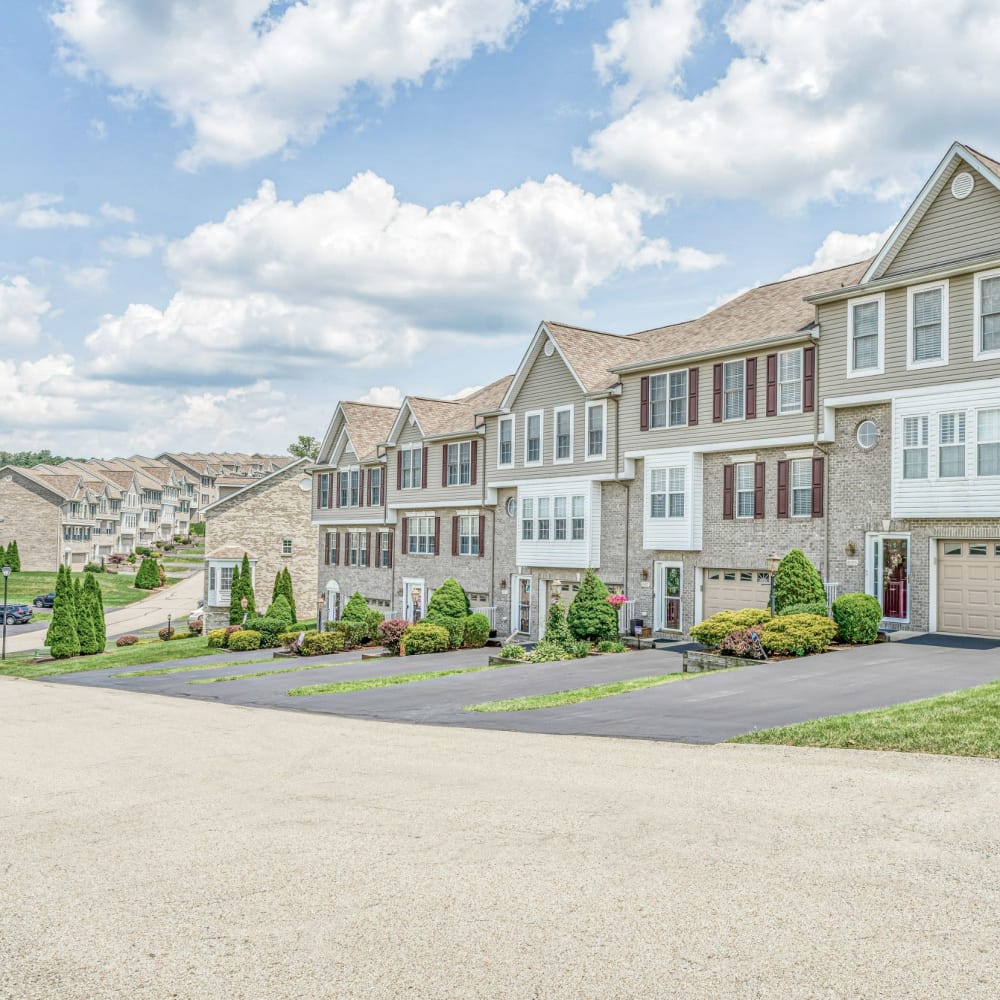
point(512, 423)
point(658, 493)
point(543, 519)
point(286, 546)
point(977, 351)
point(742, 362)
point(560, 519)
point(980, 442)
point(527, 519)
point(578, 522)
point(375, 493)
point(801, 380)
point(541, 436)
point(879, 369)
point(589, 456)
point(737, 490)
point(923, 423)
point(459, 481)
point(555, 435)
point(675, 473)
point(798, 463)
point(411, 448)
point(413, 537)
point(683, 422)
point(911, 292)
point(469, 541)
point(961, 430)
point(384, 548)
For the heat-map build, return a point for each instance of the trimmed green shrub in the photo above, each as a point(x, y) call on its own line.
point(289, 594)
point(448, 608)
point(611, 646)
point(198, 528)
point(62, 637)
point(148, 577)
point(375, 618)
point(713, 630)
point(235, 593)
point(280, 610)
point(391, 632)
point(166, 634)
point(366, 619)
point(477, 631)
point(512, 651)
point(353, 634)
point(744, 642)
point(217, 638)
point(12, 557)
point(858, 617)
point(244, 640)
point(579, 650)
point(127, 640)
point(92, 589)
point(548, 652)
point(556, 629)
point(806, 608)
point(93, 567)
point(798, 634)
point(143, 550)
point(797, 581)
point(85, 621)
point(590, 616)
point(425, 637)
point(356, 609)
point(246, 585)
point(320, 643)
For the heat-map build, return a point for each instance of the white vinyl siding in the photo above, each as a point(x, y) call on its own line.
point(951, 445)
point(744, 489)
point(560, 523)
point(562, 434)
point(505, 442)
point(927, 325)
point(987, 316)
point(733, 394)
point(801, 476)
point(596, 420)
point(790, 381)
point(866, 336)
point(673, 515)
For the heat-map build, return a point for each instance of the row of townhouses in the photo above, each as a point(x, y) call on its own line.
point(853, 413)
point(79, 512)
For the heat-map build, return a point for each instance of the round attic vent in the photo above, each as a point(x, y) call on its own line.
point(305, 484)
point(550, 348)
point(962, 185)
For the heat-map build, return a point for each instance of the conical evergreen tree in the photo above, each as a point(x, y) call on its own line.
point(62, 638)
point(84, 620)
point(246, 585)
point(3, 556)
point(590, 616)
point(148, 577)
point(279, 586)
point(235, 593)
point(13, 557)
point(289, 596)
point(93, 588)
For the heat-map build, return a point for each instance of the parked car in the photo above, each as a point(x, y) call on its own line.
point(44, 600)
point(197, 617)
point(15, 614)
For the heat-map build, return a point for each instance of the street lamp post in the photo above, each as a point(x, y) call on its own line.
point(169, 632)
point(320, 603)
point(773, 562)
point(244, 603)
point(6, 577)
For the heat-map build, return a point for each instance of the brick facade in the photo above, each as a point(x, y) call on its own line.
point(32, 516)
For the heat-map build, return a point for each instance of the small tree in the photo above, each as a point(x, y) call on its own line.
point(356, 609)
point(590, 616)
point(148, 577)
point(305, 447)
point(289, 595)
point(449, 607)
point(556, 629)
point(62, 638)
point(235, 593)
point(92, 588)
point(84, 620)
point(797, 581)
point(279, 585)
point(12, 557)
point(246, 585)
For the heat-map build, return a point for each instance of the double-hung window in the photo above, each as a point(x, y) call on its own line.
point(864, 336)
point(323, 500)
point(595, 429)
point(988, 442)
point(384, 549)
point(225, 580)
point(675, 492)
point(544, 525)
point(468, 535)
point(411, 468)
point(505, 444)
point(286, 546)
point(733, 395)
point(420, 536)
point(344, 479)
point(375, 487)
point(460, 464)
point(657, 401)
point(951, 445)
point(668, 399)
point(657, 492)
point(927, 315)
point(790, 381)
point(563, 434)
point(532, 438)
point(744, 489)
point(915, 447)
point(355, 487)
point(559, 519)
point(987, 295)
point(527, 519)
point(577, 521)
point(801, 476)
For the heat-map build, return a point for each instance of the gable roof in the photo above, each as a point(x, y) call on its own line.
point(45, 481)
point(368, 426)
point(438, 418)
point(256, 484)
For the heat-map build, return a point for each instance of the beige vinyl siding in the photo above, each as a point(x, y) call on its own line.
point(459, 495)
point(736, 432)
point(951, 228)
point(549, 385)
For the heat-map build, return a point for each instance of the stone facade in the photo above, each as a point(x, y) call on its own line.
point(32, 516)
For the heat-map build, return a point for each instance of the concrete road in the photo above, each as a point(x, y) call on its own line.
point(165, 847)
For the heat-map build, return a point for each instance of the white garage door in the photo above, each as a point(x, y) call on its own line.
point(969, 587)
point(732, 589)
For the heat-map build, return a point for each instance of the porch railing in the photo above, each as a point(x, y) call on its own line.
point(831, 593)
point(490, 613)
point(626, 612)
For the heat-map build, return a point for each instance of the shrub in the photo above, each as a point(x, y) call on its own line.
point(195, 628)
point(92, 590)
point(590, 616)
point(512, 651)
point(798, 634)
point(356, 609)
point(269, 630)
point(143, 550)
point(425, 637)
point(12, 557)
point(858, 617)
point(579, 650)
point(797, 581)
point(217, 638)
point(126, 640)
point(116, 559)
point(131, 558)
point(556, 629)
point(235, 593)
point(374, 619)
point(290, 640)
point(713, 630)
point(191, 634)
point(198, 528)
point(743, 642)
point(281, 610)
point(62, 637)
point(166, 633)
point(390, 632)
point(548, 652)
point(611, 646)
point(319, 643)
point(353, 634)
point(148, 577)
point(231, 630)
point(244, 640)
point(477, 631)
point(85, 627)
point(448, 608)
point(168, 547)
point(93, 567)
point(807, 608)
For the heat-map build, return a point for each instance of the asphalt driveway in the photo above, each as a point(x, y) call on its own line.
point(702, 708)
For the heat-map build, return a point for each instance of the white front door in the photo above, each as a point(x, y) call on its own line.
point(332, 601)
point(414, 603)
point(667, 615)
point(521, 611)
point(887, 574)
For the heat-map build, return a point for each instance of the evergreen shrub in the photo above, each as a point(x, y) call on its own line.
point(425, 637)
point(590, 616)
point(858, 617)
point(244, 640)
point(797, 581)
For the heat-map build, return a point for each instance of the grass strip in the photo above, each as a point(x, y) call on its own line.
point(340, 687)
point(265, 673)
point(592, 693)
point(962, 723)
point(161, 671)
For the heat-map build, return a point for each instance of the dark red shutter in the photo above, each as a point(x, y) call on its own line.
point(644, 403)
point(319, 485)
point(692, 397)
point(809, 380)
point(482, 535)
point(368, 495)
point(751, 388)
point(326, 553)
point(399, 470)
point(772, 385)
point(444, 465)
point(403, 533)
point(817, 506)
point(368, 548)
point(716, 393)
point(423, 470)
point(437, 536)
point(454, 536)
point(474, 460)
point(728, 475)
point(783, 489)
point(758, 490)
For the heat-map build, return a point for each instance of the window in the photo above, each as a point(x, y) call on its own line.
point(675, 496)
point(915, 447)
point(460, 464)
point(505, 446)
point(867, 434)
point(864, 336)
point(354, 543)
point(657, 401)
point(563, 431)
point(595, 430)
point(978, 550)
point(559, 519)
point(790, 381)
point(412, 461)
point(420, 536)
point(355, 487)
point(743, 479)
point(927, 320)
point(657, 492)
point(384, 549)
point(677, 416)
point(532, 438)
point(468, 535)
point(801, 487)
point(286, 546)
point(226, 579)
point(543, 519)
point(988, 442)
point(951, 440)
point(345, 489)
point(527, 519)
point(987, 296)
point(733, 397)
point(375, 487)
point(578, 527)
point(668, 399)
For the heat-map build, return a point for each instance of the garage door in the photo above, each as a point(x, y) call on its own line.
point(731, 589)
point(969, 587)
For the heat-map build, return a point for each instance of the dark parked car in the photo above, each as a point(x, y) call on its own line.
point(15, 614)
point(44, 600)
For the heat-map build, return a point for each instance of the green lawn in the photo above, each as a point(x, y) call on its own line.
point(577, 695)
point(341, 687)
point(118, 589)
point(264, 673)
point(963, 723)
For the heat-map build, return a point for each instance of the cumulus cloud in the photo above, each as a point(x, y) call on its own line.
point(357, 277)
point(22, 306)
point(117, 213)
point(462, 393)
point(134, 245)
point(823, 98)
point(382, 395)
point(88, 279)
point(251, 77)
point(840, 248)
point(36, 211)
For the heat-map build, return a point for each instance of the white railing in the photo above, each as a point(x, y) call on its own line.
point(831, 593)
point(626, 612)
point(490, 613)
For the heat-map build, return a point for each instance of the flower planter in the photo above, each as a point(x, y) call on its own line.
point(697, 661)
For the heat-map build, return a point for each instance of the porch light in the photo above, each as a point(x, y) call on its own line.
point(773, 562)
point(644, 574)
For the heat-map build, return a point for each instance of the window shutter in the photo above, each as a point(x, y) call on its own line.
point(758, 490)
point(644, 404)
point(389, 549)
point(368, 548)
point(717, 393)
point(444, 465)
point(423, 470)
point(368, 487)
point(751, 388)
point(403, 525)
point(728, 475)
point(437, 536)
point(482, 535)
point(399, 469)
point(474, 459)
point(783, 488)
point(326, 552)
point(772, 385)
point(692, 397)
point(817, 505)
point(809, 380)
point(454, 536)
point(319, 482)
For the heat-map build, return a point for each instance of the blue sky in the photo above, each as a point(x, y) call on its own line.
point(219, 218)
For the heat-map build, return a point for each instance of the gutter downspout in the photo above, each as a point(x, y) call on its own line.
point(627, 492)
point(817, 409)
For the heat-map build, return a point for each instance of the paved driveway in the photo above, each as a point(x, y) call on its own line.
point(704, 708)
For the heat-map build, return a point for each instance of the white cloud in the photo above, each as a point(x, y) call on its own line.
point(134, 245)
point(35, 211)
point(22, 306)
point(382, 395)
point(840, 248)
point(117, 213)
point(825, 98)
point(253, 76)
point(357, 277)
point(462, 393)
point(88, 279)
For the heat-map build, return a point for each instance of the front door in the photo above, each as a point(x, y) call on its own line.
point(888, 575)
point(668, 597)
point(522, 604)
point(413, 600)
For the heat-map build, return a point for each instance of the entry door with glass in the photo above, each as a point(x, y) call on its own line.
point(522, 607)
point(413, 600)
point(889, 571)
point(668, 597)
